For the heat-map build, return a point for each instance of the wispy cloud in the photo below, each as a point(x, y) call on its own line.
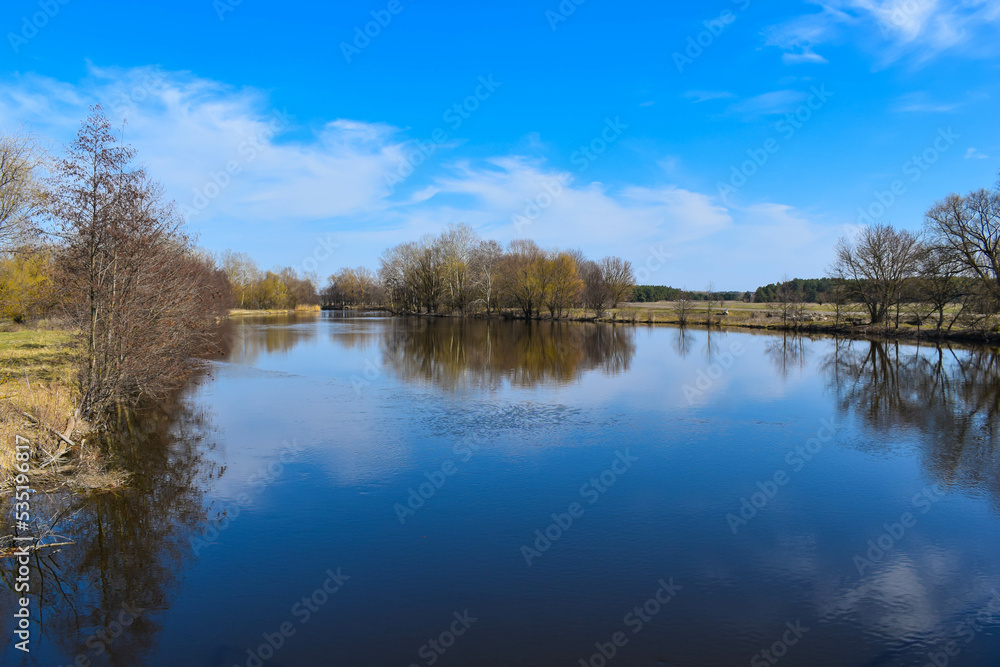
point(921, 102)
point(304, 180)
point(892, 29)
point(768, 104)
point(192, 132)
point(698, 96)
point(974, 154)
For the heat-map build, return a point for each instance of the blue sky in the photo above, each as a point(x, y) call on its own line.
point(640, 129)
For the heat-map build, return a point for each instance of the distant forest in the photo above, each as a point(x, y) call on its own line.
point(810, 290)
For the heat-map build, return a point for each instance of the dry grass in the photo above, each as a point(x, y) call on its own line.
point(279, 311)
point(38, 397)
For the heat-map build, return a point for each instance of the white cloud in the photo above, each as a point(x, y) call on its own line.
point(974, 154)
point(893, 29)
point(921, 102)
point(805, 55)
point(297, 183)
point(698, 96)
point(774, 103)
point(188, 129)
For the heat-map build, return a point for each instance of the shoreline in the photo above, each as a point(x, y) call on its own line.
point(905, 333)
point(636, 316)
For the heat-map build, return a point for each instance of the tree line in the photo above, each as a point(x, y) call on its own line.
point(256, 289)
point(948, 272)
point(458, 272)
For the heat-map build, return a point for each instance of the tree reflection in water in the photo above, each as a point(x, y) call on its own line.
point(483, 354)
point(100, 597)
point(268, 334)
point(950, 397)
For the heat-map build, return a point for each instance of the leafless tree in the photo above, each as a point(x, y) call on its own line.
point(682, 308)
point(788, 297)
point(875, 265)
point(486, 267)
point(143, 300)
point(711, 303)
point(596, 293)
point(22, 193)
point(968, 229)
point(619, 278)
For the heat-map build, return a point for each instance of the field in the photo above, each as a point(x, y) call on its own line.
point(38, 393)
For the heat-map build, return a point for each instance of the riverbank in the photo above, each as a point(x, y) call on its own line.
point(244, 312)
point(38, 399)
point(811, 319)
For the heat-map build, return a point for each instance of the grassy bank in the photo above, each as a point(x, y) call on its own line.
point(238, 312)
point(38, 399)
point(805, 318)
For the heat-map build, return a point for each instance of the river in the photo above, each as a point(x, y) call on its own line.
point(369, 490)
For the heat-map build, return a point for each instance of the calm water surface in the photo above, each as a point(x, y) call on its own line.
point(381, 491)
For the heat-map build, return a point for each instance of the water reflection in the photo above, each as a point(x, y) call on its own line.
point(246, 338)
point(949, 397)
point(102, 596)
point(787, 353)
point(484, 354)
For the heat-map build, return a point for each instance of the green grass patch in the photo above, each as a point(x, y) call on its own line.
point(44, 355)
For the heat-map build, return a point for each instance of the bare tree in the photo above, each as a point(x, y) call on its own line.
point(968, 229)
point(596, 293)
point(242, 273)
point(682, 308)
point(486, 267)
point(711, 303)
point(619, 278)
point(21, 192)
point(875, 265)
point(143, 300)
point(838, 297)
point(458, 252)
point(788, 296)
